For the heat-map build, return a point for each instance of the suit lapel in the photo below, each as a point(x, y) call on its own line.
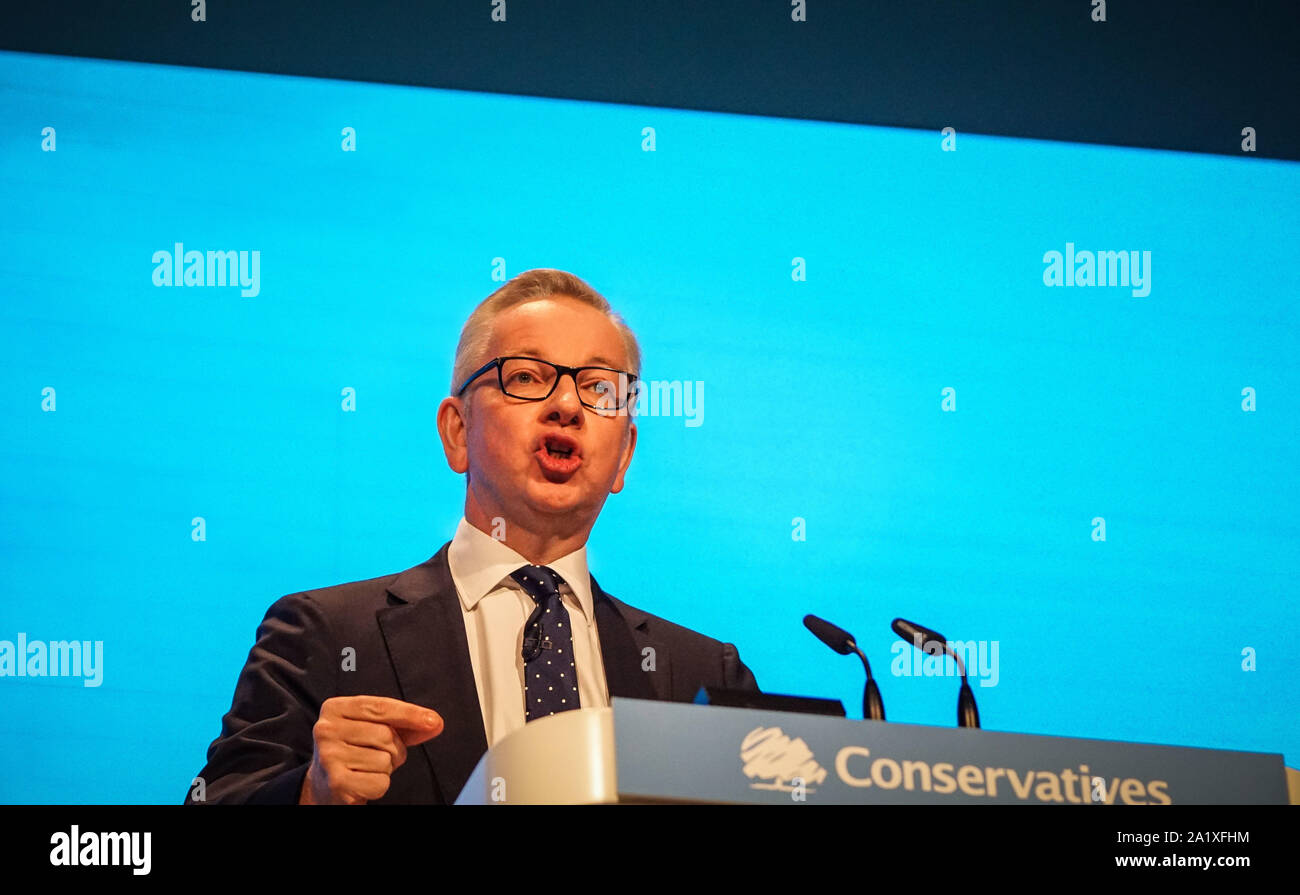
point(629, 670)
point(424, 630)
point(425, 633)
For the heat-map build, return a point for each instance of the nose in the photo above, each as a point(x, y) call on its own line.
point(563, 402)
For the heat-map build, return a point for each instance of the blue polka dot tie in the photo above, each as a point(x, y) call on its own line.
point(550, 675)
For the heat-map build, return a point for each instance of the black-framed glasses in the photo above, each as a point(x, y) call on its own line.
point(534, 379)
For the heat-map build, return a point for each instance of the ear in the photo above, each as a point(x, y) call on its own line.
point(451, 429)
point(628, 447)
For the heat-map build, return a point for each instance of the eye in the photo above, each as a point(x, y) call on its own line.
point(597, 383)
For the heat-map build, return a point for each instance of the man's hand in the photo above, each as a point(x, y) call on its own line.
point(359, 742)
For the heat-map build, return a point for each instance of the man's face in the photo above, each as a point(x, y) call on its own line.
point(504, 444)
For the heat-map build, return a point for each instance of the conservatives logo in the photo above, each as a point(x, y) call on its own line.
point(778, 762)
point(785, 764)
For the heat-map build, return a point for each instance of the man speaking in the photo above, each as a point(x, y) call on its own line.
point(390, 690)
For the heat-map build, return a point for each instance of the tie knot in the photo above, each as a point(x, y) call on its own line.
point(541, 582)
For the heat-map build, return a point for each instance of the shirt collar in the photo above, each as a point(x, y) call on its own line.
point(480, 563)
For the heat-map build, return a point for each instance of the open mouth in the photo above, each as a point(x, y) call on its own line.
point(560, 446)
point(559, 455)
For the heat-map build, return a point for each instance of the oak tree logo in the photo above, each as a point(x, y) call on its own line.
point(775, 761)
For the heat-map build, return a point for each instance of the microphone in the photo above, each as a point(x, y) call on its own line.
point(840, 640)
point(967, 714)
point(534, 642)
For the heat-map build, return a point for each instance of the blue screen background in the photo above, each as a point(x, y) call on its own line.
point(822, 398)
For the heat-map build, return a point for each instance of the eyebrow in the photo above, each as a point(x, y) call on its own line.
point(593, 360)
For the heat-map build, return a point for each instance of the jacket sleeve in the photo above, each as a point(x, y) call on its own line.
point(735, 674)
point(265, 746)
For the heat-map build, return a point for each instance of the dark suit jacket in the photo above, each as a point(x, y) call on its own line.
point(409, 640)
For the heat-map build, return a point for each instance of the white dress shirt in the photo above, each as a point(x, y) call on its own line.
point(496, 607)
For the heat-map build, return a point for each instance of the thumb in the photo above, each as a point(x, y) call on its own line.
point(414, 736)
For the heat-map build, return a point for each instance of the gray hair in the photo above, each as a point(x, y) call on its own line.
point(531, 285)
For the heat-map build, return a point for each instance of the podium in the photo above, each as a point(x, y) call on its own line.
point(642, 751)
